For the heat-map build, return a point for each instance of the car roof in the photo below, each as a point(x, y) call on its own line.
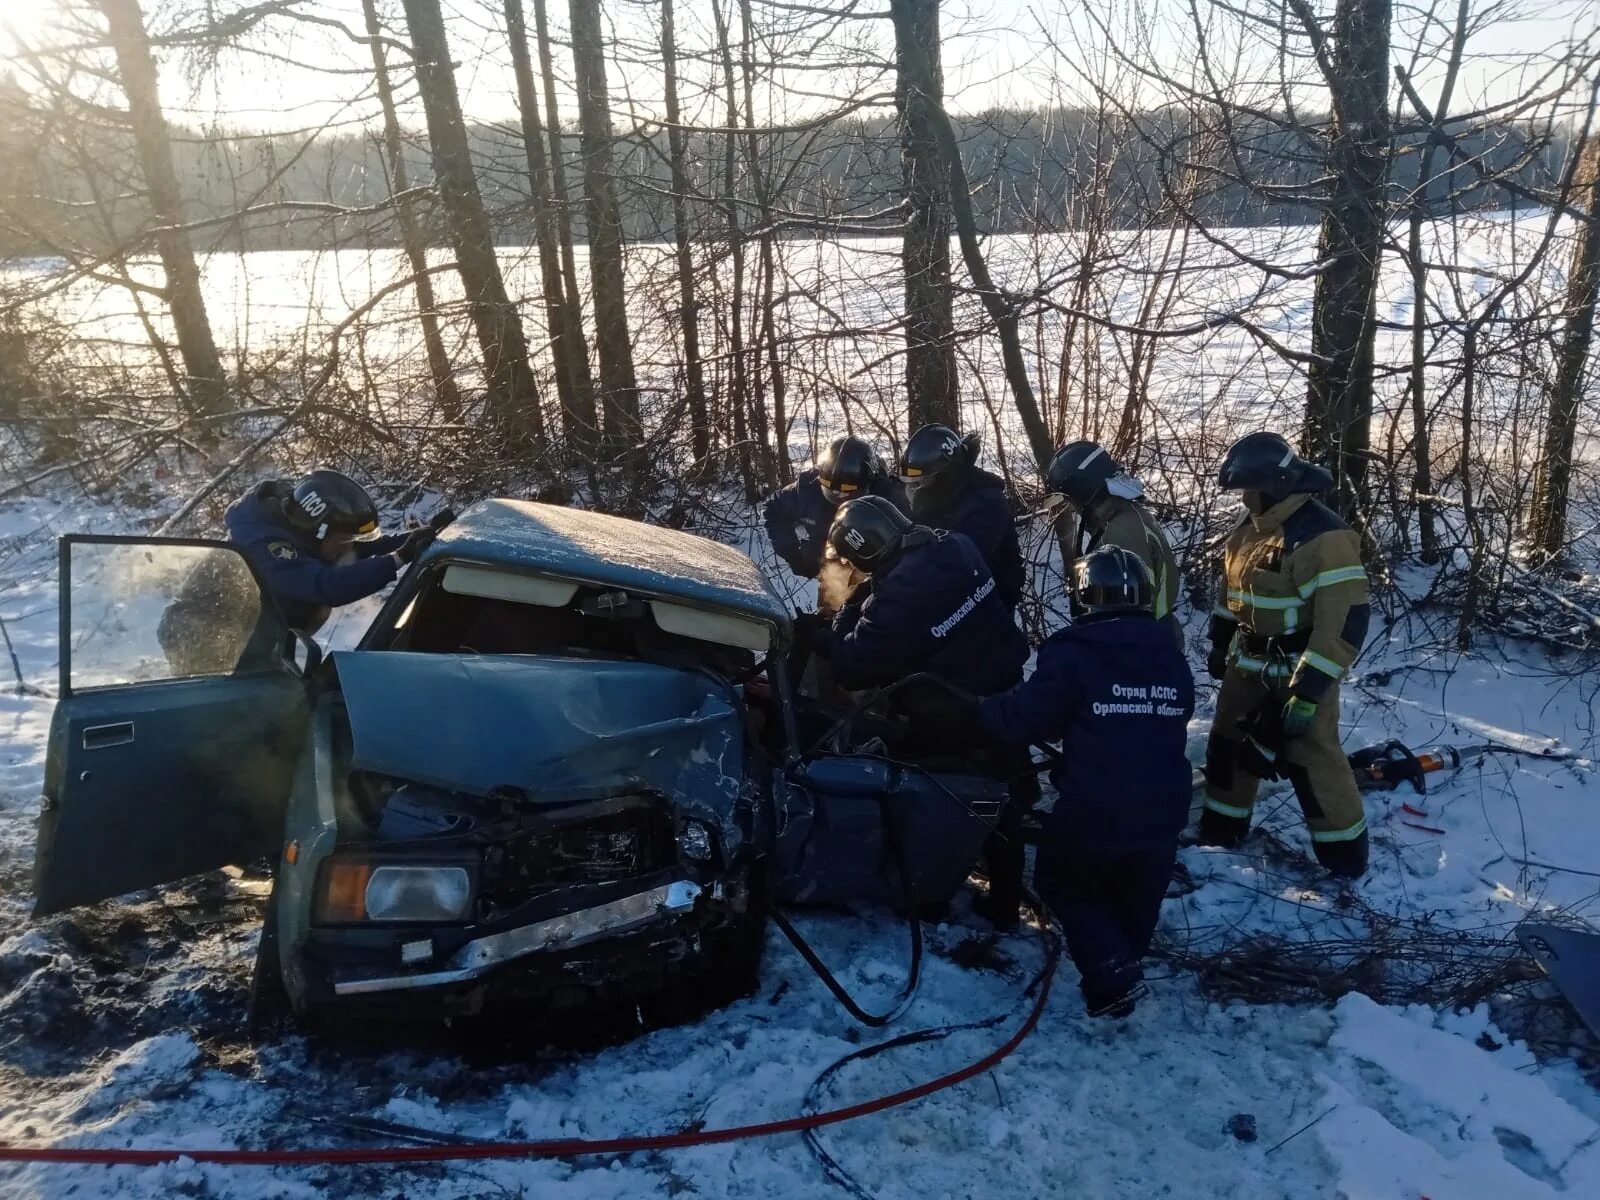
point(613, 552)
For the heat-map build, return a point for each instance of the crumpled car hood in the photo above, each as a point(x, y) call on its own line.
point(557, 729)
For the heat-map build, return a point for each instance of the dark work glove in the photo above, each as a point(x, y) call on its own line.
point(1217, 660)
point(813, 630)
point(442, 518)
point(416, 542)
point(1297, 717)
point(798, 565)
point(844, 621)
point(1261, 746)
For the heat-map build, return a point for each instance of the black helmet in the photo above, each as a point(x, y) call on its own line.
point(935, 464)
point(1265, 462)
point(1082, 472)
point(1110, 580)
point(328, 503)
point(848, 468)
point(867, 533)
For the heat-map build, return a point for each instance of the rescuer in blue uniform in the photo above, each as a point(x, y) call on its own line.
point(797, 517)
point(1117, 695)
point(316, 545)
point(946, 489)
point(929, 605)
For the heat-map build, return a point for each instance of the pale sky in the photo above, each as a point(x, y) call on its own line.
point(997, 52)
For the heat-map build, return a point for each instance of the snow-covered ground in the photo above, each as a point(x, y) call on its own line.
point(122, 1025)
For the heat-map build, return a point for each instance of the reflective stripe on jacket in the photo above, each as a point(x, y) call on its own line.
point(1293, 579)
point(1114, 521)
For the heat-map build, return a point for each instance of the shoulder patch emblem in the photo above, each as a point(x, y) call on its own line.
point(283, 550)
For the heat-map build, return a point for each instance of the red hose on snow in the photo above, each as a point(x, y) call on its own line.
point(555, 1148)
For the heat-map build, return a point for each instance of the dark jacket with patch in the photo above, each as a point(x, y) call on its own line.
point(303, 585)
point(797, 518)
point(982, 512)
point(1117, 695)
point(936, 609)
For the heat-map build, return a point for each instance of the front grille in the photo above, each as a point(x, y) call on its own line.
point(604, 848)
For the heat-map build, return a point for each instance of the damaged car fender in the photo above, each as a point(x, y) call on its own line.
point(311, 832)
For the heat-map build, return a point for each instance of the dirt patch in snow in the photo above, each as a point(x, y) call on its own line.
point(96, 980)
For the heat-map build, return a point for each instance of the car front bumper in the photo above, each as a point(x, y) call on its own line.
point(480, 956)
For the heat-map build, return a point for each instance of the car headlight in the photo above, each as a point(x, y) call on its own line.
point(695, 841)
point(352, 890)
point(418, 894)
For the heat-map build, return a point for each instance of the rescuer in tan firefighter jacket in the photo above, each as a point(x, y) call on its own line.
point(1085, 478)
point(1290, 619)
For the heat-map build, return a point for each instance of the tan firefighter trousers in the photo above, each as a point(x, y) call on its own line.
point(1314, 763)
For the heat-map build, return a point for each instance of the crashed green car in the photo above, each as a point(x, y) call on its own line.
point(564, 761)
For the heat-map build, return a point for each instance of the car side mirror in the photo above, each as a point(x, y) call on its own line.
point(303, 653)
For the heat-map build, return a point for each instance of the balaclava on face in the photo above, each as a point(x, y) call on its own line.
point(1258, 501)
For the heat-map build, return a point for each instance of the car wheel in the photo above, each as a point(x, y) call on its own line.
point(733, 961)
point(268, 1014)
point(736, 966)
point(727, 969)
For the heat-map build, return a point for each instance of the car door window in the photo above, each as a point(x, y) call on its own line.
point(141, 611)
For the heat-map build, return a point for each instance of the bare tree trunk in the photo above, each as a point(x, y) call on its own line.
point(1339, 399)
point(573, 295)
point(1421, 208)
point(411, 237)
point(738, 391)
point(1554, 478)
point(137, 70)
point(768, 333)
point(1473, 600)
point(619, 386)
point(513, 397)
point(1420, 443)
point(1001, 306)
point(688, 306)
point(574, 386)
point(931, 378)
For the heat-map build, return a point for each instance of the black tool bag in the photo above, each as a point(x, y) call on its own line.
point(858, 829)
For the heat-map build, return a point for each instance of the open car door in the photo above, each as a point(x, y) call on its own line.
point(180, 720)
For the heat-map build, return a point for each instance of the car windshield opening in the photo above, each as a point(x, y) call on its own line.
point(513, 614)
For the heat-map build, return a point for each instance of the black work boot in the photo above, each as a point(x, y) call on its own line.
point(1004, 861)
point(1348, 860)
point(1219, 829)
point(1182, 882)
point(1118, 1007)
point(999, 906)
point(1114, 992)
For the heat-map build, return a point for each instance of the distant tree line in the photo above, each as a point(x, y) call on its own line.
point(1034, 168)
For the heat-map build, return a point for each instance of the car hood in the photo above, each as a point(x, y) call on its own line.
point(554, 729)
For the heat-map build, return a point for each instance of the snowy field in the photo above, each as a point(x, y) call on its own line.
point(839, 308)
point(121, 1025)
